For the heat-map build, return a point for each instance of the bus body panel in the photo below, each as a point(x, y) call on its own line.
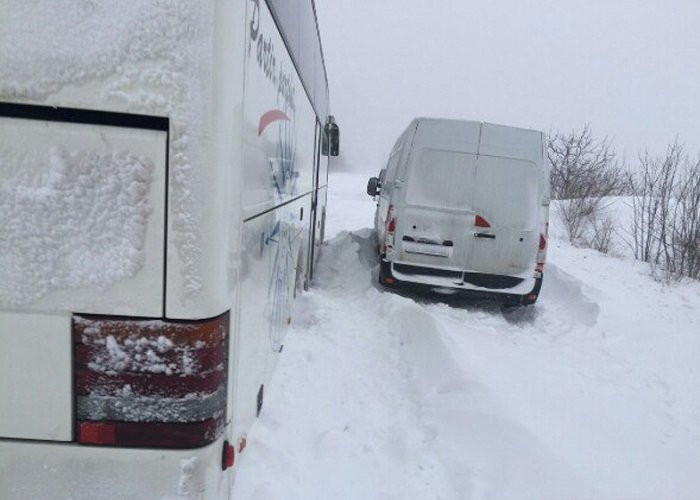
point(82, 216)
point(278, 165)
point(36, 376)
point(277, 182)
point(45, 471)
point(273, 244)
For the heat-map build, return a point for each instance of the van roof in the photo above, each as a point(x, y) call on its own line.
point(479, 138)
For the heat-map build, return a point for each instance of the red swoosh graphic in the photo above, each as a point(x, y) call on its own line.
point(269, 117)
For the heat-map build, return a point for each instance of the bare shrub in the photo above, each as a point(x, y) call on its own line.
point(576, 214)
point(666, 213)
point(602, 233)
point(686, 229)
point(583, 172)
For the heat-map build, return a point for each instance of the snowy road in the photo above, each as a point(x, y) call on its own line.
point(594, 392)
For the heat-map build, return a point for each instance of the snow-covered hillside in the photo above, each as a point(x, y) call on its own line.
point(594, 392)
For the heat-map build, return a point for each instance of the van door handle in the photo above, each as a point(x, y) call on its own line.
point(490, 236)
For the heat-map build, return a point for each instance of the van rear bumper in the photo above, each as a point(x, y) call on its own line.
point(428, 284)
point(45, 470)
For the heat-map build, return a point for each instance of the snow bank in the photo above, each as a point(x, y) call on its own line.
point(592, 393)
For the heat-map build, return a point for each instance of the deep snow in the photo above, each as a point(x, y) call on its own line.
point(592, 393)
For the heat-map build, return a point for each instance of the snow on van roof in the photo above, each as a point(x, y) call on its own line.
point(481, 138)
point(138, 56)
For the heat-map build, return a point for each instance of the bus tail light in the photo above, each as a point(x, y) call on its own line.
point(150, 383)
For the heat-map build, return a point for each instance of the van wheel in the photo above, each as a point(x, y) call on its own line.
point(384, 273)
point(511, 306)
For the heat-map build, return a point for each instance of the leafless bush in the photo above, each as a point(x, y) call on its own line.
point(602, 233)
point(576, 214)
point(666, 213)
point(583, 172)
point(686, 229)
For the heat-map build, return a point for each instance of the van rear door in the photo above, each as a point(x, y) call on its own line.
point(506, 197)
point(447, 192)
point(435, 225)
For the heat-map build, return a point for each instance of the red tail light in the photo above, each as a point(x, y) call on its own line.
point(479, 221)
point(391, 220)
point(541, 254)
point(150, 383)
point(390, 230)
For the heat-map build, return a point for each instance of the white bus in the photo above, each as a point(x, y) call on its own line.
point(163, 173)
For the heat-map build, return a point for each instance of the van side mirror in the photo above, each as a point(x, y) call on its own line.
point(330, 143)
point(373, 186)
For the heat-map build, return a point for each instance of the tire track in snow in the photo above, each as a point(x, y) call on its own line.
point(338, 399)
point(465, 426)
point(456, 424)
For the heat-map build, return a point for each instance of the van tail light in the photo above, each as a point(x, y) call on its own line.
point(150, 383)
point(541, 254)
point(479, 221)
point(390, 230)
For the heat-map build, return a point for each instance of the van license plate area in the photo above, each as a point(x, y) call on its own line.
point(426, 249)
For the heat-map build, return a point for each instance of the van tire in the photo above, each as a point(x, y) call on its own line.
point(384, 272)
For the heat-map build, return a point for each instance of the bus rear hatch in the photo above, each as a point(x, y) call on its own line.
point(82, 211)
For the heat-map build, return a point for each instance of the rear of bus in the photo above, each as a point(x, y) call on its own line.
point(115, 282)
point(471, 212)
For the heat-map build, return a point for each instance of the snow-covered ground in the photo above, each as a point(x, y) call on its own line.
point(594, 392)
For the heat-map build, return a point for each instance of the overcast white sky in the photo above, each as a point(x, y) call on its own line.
point(629, 68)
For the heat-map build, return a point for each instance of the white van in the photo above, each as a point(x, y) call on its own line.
point(463, 206)
point(163, 176)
